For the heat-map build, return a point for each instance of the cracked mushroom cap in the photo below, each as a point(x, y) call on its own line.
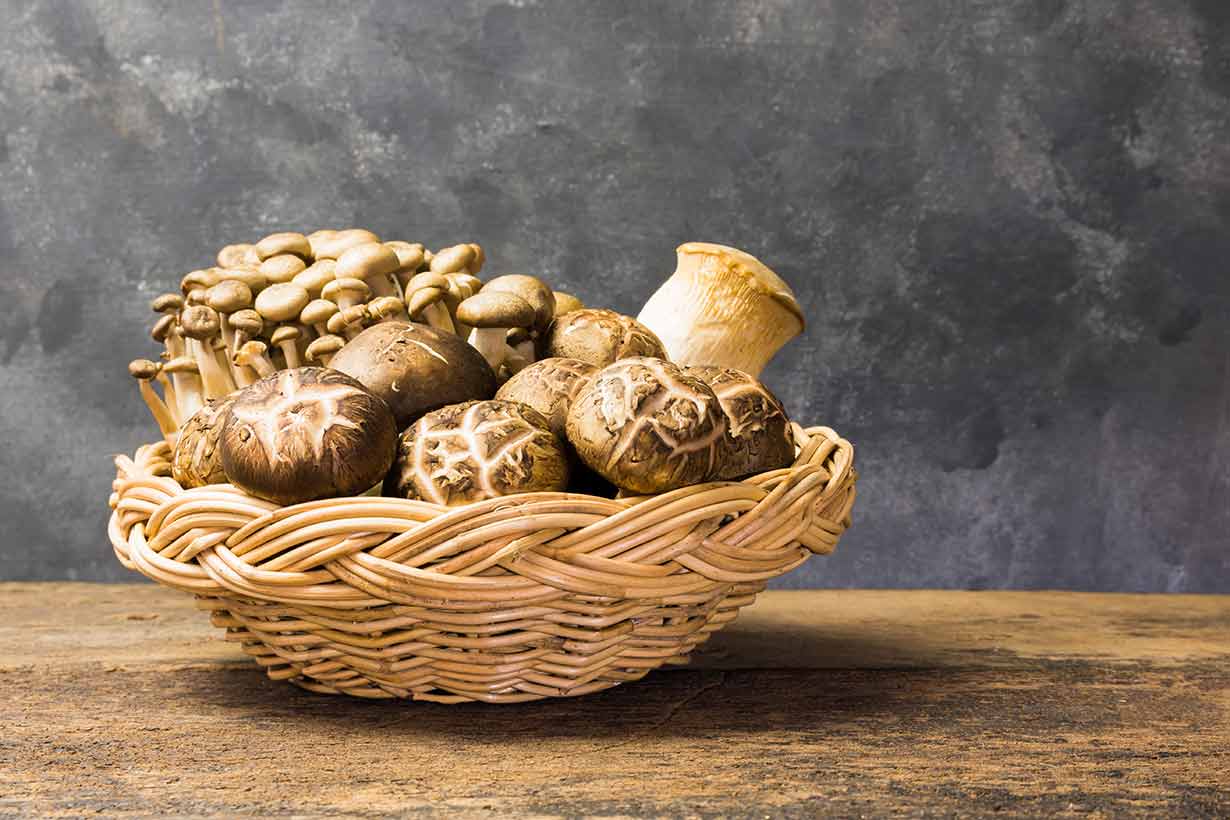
point(415, 368)
point(600, 337)
point(758, 437)
point(549, 386)
point(647, 427)
point(197, 460)
point(307, 433)
point(483, 449)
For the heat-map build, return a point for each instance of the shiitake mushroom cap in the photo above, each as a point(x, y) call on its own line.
point(197, 460)
point(415, 368)
point(758, 432)
point(647, 427)
point(549, 386)
point(600, 337)
point(475, 450)
point(307, 433)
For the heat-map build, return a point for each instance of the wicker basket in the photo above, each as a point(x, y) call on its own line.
point(511, 599)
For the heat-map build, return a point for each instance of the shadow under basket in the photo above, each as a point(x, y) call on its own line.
point(511, 599)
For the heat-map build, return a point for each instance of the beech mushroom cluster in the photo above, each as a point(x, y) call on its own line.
point(308, 366)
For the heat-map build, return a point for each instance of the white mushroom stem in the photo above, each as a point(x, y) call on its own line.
point(722, 307)
point(216, 381)
point(437, 316)
point(157, 407)
point(290, 352)
point(489, 341)
point(172, 403)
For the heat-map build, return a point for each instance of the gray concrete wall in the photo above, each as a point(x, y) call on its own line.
point(1009, 224)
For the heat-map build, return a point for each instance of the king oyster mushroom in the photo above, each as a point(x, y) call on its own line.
point(549, 386)
point(415, 369)
point(758, 433)
point(647, 427)
point(308, 433)
point(722, 308)
point(600, 337)
point(197, 460)
point(483, 449)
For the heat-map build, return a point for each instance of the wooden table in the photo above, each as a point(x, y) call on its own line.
point(122, 700)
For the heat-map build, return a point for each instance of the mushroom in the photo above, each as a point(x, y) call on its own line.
point(144, 371)
point(424, 296)
point(549, 386)
point(227, 297)
point(349, 322)
point(522, 343)
point(286, 338)
point(647, 427)
point(282, 302)
point(374, 264)
point(532, 290)
point(566, 303)
point(255, 354)
point(245, 325)
point(415, 369)
point(722, 307)
point(600, 337)
point(409, 257)
point(338, 242)
point(475, 450)
point(386, 308)
point(235, 256)
point(202, 325)
point(453, 259)
point(492, 314)
point(316, 313)
point(199, 280)
point(288, 242)
point(758, 433)
point(304, 434)
point(314, 278)
point(282, 268)
point(167, 303)
point(323, 349)
point(346, 292)
point(186, 378)
point(250, 276)
point(196, 461)
point(320, 239)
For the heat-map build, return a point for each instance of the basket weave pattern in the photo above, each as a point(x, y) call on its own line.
point(511, 599)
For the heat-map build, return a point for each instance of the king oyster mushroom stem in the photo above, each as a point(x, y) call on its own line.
point(492, 314)
point(201, 325)
point(144, 371)
point(724, 308)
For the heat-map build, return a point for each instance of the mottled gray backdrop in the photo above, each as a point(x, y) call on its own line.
point(1008, 222)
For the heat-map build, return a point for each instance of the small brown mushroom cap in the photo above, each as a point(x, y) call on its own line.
point(181, 364)
point(307, 433)
point(323, 347)
point(167, 303)
point(452, 259)
point(415, 368)
point(282, 268)
point(482, 449)
point(426, 279)
point(287, 242)
point(467, 281)
point(197, 461)
point(314, 278)
point(233, 256)
point(600, 337)
point(758, 433)
point(284, 334)
point(200, 280)
point(342, 288)
point(366, 261)
point(566, 303)
point(143, 369)
point(163, 327)
point(337, 243)
point(409, 254)
point(647, 427)
point(487, 309)
point(382, 307)
point(282, 302)
point(252, 277)
point(549, 386)
point(246, 321)
point(355, 315)
point(530, 288)
point(317, 312)
point(228, 296)
point(200, 322)
point(422, 299)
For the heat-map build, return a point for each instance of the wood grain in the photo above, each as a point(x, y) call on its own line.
point(122, 700)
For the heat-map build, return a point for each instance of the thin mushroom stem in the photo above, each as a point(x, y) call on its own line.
point(168, 392)
point(144, 371)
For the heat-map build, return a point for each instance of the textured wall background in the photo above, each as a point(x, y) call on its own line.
point(1008, 221)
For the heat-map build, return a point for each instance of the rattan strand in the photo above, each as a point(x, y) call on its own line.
point(511, 599)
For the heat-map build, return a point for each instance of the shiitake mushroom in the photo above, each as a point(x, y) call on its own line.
point(307, 433)
point(758, 433)
point(197, 460)
point(549, 386)
point(600, 337)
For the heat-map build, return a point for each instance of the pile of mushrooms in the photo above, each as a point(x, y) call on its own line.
point(308, 366)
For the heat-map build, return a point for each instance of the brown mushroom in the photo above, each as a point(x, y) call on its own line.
point(346, 292)
point(282, 268)
point(475, 450)
point(372, 262)
point(316, 314)
point(337, 243)
point(304, 434)
point(492, 314)
point(234, 256)
point(252, 277)
point(287, 242)
point(349, 322)
point(647, 427)
point(196, 461)
point(202, 326)
point(145, 371)
point(286, 338)
point(255, 355)
point(322, 350)
point(186, 378)
point(415, 369)
point(386, 309)
point(549, 386)
point(758, 433)
point(566, 303)
point(227, 297)
point(199, 280)
point(314, 278)
point(282, 302)
point(600, 337)
point(453, 259)
point(532, 290)
point(409, 257)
